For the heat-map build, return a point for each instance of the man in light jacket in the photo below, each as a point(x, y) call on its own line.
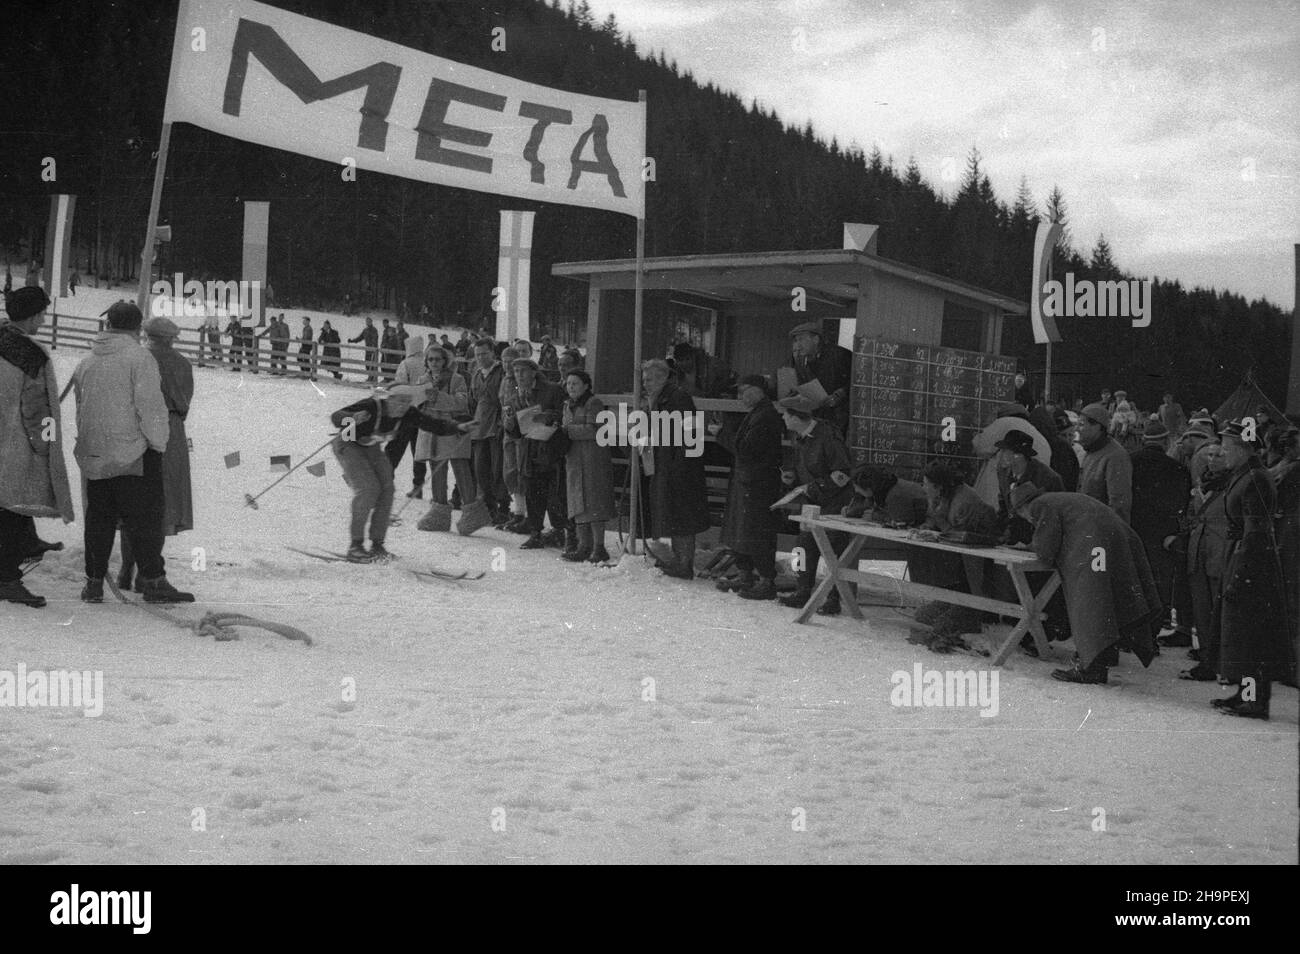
point(122, 431)
point(33, 479)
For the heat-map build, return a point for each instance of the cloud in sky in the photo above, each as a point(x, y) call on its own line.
point(1170, 127)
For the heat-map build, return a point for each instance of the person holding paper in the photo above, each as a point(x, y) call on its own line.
point(828, 368)
point(822, 469)
point(540, 460)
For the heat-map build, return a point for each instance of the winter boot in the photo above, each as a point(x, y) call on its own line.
point(416, 492)
point(583, 545)
point(518, 524)
point(357, 553)
point(736, 584)
point(93, 591)
point(14, 592)
point(796, 600)
point(125, 577)
point(683, 565)
point(534, 542)
point(598, 552)
point(473, 517)
point(1094, 675)
point(764, 588)
point(378, 554)
point(555, 537)
point(158, 590)
point(831, 606)
point(438, 518)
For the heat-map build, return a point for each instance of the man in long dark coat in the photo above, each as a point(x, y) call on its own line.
point(679, 503)
point(1253, 633)
point(749, 527)
point(1110, 595)
point(1162, 488)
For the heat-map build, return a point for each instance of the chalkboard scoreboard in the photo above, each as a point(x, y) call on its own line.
point(903, 392)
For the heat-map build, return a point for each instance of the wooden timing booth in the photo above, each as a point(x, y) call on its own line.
point(925, 346)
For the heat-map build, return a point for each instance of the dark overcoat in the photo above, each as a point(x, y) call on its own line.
point(178, 391)
point(1252, 622)
point(748, 525)
point(1075, 533)
point(679, 504)
point(1287, 531)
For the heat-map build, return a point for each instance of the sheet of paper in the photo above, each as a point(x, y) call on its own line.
point(790, 497)
point(786, 382)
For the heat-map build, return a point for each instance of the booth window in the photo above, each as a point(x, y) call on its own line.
point(963, 327)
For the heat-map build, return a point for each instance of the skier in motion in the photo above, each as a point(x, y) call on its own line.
point(363, 428)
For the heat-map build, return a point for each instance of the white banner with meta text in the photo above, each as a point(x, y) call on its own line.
point(265, 75)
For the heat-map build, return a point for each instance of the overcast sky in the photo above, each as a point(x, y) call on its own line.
point(1172, 128)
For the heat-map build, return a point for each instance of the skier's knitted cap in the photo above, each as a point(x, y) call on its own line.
point(23, 303)
point(124, 316)
point(415, 346)
point(1155, 433)
point(415, 393)
point(524, 363)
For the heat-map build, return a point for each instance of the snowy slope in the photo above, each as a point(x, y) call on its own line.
point(521, 697)
point(89, 302)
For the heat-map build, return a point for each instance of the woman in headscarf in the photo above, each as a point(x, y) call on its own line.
point(589, 470)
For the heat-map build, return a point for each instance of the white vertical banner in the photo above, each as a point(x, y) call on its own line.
point(257, 227)
point(58, 245)
point(514, 261)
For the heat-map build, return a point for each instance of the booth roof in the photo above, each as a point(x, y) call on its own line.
point(733, 276)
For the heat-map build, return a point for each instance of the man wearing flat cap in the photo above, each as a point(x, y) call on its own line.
point(1162, 488)
point(1106, 473)
point(33, 476)
point(177, 379)
point(122, 432)
point(825, 362)
point(749, 527)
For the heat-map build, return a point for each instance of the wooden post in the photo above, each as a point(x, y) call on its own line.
point(146, 256)
point(634, 458)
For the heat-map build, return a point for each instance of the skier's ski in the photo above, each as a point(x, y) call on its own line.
point(326, 555)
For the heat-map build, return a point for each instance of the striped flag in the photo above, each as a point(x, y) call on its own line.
point(58, 245)
point(514, 261)
point(280, 463)
point(317, 469)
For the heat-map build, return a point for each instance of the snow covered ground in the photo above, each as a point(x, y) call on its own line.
point(510, 719)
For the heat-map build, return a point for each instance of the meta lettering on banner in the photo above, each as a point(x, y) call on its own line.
point(272, 77)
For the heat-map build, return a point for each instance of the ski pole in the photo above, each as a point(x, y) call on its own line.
point(251, 501)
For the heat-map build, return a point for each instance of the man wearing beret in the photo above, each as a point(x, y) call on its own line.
point(122, 432)
point(829, 364)
point(1107, 471)
point(33, 477)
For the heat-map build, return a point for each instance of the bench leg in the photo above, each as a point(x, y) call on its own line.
point(1031, 622)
